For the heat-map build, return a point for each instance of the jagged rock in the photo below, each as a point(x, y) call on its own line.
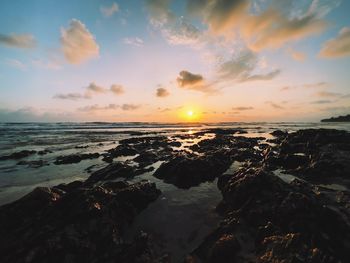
point(77, 224)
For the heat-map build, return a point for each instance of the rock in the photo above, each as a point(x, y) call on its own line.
point(33, 164)
point(186, 171)
point(316, 155)
point(44, 152)
point(81, 224)
point(112, 171)
point(146, 158)
point(279, 133)
point(278, 222)
point(75, 158)
point(122, 150)
point(17, 155)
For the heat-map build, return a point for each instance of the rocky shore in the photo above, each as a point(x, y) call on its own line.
point(287, 201)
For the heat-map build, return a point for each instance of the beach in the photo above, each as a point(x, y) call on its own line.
point(193, 190)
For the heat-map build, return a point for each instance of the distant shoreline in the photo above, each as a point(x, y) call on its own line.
point(345, 118)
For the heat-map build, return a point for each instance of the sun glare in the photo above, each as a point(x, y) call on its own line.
point(190, 113)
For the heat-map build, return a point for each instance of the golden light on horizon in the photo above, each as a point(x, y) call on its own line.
point(190, 113)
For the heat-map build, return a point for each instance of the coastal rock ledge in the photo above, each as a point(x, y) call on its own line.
point(76, 223)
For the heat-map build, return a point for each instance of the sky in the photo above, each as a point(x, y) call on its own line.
point(174, 60)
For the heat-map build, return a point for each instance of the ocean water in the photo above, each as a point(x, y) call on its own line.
point(179, 219)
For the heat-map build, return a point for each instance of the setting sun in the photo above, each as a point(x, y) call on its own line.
point(190, 113)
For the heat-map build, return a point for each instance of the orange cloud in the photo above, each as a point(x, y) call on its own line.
point(78, 44)
point(337, 47)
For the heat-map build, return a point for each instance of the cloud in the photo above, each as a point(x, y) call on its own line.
point(317, 85)
point(16, 64)
point(274, 105)
point(133, 41)
point(129, 107)
point(337, 47)
point(117, 89)
point(296, 55)
point(321, 102)
point(271, 26)
point(50, 64)
point(175, 30)
point(187, 78)
point(220, 15)
point(162, 93)
point(327, 94)
point(109, 11)
point(93, 87)
point(160, 12)
point(78, 44)
point(242, 108)
point(181, 33)
point(241, 67)
point(71, 96)
point(30, 114)
point(18, 40)
point(96, 107)
point(91, 90)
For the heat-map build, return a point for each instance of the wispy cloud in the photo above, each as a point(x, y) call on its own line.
point(242, 108)
point(18, 40)
point(16, 64)
point(133, 41)
point(296, 55)
point(275, 105)
point(241, 67)
point(117, 89)
point(337, 47)
point(108, 11)
point(78, 44)
point(71, 96)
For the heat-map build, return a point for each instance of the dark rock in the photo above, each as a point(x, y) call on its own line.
point(112, 171)
point(44, 152)
point(80, 224)
point(278, 222)
point(186, 171)
point(75, 158)
point(33, 164)
point(17, 155)
point(122, 150)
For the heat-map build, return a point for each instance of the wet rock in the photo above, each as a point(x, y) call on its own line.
point(186, 171)
point(315, 155)
point(75, 158)
point(17, 155)
point(33, 164)
point(272, 221)
point(78, 224)
point(122, 150)
point(279, 133)
point(112, 171)
point(44, 152)
point(146, 158)
point(175, 144)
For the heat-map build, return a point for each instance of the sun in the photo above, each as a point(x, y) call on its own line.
point(190, 113)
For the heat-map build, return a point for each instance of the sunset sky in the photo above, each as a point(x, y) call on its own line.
point(171, 61)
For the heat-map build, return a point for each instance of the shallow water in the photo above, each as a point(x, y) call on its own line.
point(62, 138)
